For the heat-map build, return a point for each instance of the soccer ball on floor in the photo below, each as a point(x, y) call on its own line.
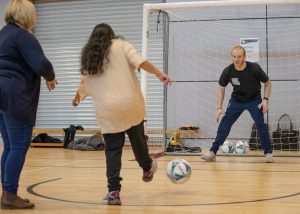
point(241, 147)
point(227, 147)
point(179, 171)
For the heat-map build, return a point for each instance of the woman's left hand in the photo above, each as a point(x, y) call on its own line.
point(51, 84)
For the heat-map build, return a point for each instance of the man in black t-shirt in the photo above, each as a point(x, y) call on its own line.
point(246, 78)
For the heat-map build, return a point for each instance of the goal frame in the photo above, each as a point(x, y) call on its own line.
point(148, 8)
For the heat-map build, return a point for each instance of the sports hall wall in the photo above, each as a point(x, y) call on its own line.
point(62, 28)
point(3, 3)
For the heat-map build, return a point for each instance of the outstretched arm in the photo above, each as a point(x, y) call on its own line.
point(81, 93)
point(147, 66)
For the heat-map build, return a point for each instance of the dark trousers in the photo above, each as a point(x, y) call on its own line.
point(16, 137)
point(113, 151)
point(234, 110)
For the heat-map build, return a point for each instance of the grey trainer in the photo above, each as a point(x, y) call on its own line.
point(269, 158)
point(209, 156)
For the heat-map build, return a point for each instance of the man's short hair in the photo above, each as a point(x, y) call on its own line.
point(238, 47)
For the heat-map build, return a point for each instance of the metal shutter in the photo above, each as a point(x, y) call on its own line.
point(63, 27)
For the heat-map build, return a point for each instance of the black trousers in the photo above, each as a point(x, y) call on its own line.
point(113, 151)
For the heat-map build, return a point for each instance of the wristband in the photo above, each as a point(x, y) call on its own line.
point(266, 98)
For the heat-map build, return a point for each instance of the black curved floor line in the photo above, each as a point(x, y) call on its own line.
point(30, 189)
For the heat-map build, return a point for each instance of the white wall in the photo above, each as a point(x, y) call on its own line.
point(3, 4)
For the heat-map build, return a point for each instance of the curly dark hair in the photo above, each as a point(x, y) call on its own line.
point(94, 53)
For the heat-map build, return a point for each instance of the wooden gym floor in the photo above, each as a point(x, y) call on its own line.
point(65, 181)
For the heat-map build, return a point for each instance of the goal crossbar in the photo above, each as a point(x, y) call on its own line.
point(164, 6)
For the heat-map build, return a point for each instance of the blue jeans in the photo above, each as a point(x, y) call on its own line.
point(113, 151)
point(16, 137)
point(234, 110)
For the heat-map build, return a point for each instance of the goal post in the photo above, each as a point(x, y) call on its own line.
point(191, 41)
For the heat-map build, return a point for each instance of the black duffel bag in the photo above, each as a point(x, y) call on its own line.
point(285, 139)
point(254, 141)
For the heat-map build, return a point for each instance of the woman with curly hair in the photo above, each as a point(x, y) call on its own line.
point(108, 75)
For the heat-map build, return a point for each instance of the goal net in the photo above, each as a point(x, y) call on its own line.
point(192, 41)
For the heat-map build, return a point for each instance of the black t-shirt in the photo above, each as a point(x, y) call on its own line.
point(246, 83)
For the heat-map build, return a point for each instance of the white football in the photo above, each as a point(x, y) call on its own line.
point(227, 147)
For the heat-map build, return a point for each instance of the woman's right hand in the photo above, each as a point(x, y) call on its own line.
point(76, 100)
point(51, 84)
point(164, 78)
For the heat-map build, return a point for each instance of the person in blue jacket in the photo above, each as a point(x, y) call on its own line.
point(22, 64)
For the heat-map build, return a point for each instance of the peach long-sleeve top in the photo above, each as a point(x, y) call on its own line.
point(116, 92)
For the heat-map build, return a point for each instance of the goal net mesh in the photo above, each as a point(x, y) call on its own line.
point(193, 46)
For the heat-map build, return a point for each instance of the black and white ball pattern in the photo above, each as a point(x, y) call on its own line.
point(179, 171)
